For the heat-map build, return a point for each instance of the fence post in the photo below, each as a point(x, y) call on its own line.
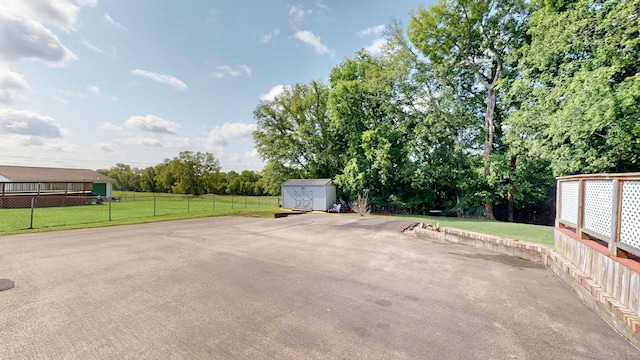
point(188, 204)
point(214, 202)
point(154, 206)
point(615, 219)
point(110, 209)
point(33, 203)
point(231, 202)
point(245, 201)
point(558, 204)
point(581, 195)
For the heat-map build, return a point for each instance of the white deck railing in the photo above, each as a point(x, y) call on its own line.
point(604, 207)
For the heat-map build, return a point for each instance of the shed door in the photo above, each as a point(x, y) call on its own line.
point(303, 199)
point(100, 189)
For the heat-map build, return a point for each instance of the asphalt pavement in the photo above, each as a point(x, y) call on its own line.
point(313, 286)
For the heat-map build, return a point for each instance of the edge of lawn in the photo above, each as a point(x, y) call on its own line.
point(538, 234)
point(252, 213)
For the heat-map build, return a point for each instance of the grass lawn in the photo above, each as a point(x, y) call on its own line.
point(539, 234)
point(134, 209)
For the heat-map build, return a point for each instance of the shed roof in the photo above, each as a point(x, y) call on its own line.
point(44, 174)
point(307, 182)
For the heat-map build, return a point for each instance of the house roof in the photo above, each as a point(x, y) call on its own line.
point(43, 174)
point(307, 182)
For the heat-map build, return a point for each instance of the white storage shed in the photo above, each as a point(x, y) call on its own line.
point(308, 194)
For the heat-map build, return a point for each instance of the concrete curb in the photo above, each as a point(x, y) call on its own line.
point(625, 321)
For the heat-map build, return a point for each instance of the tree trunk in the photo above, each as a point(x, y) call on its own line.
point(459, 193)
point(459, 211)
point(512, 166)
point(488, 143)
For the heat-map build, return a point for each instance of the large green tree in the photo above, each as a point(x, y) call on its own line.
point(576, 98)
point(294, 134)
point(370, 103)
point(190, 173)
point(473, 34)
point(125, 177)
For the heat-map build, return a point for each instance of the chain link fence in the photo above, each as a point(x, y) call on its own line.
point(50, 211)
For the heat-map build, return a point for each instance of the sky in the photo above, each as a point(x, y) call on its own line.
point(93, 83)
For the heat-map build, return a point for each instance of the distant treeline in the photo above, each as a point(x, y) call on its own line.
point(189, 173)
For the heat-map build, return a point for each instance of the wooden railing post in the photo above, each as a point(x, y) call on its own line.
point(616, 204)
point(558, 203)
point(581, 196)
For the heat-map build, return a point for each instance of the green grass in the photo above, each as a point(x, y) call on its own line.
point(135, 209)
point(526, 232)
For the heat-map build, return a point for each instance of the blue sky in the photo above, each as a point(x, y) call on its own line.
point(93, 83)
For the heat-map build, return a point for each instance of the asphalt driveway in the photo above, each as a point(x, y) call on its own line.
point(303, 287)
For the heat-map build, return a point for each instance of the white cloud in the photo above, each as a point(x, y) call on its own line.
point(376, 47)
point(161, 78)
point(296, 15)
point(170, 142)
point(274, 92)
point(115, 23)
point(108, 126)
point(253, 154)
point(106, 147)
point(91, 3)
point(314, 41)
point(379, 43)
point(10, 84)
point(228, 71)
point(152, 123)
point(65, 96)
point(60, 99)
point(238, 161)
point(25, 140)
point(25, 122)
point(60, 13)
point(151, 142)
point(219, 136)
point(322, 5)
point(372, 31)
point(22, 39)
point(94, 89)
point(266, 38)
point(176, 142)
point(91, 47)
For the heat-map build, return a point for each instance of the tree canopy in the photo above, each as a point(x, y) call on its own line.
point(576, 93)
point(477, 34)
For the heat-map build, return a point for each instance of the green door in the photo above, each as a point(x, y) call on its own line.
point(100, 189)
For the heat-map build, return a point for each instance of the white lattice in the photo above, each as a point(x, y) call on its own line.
point(598, 206)
point(630, 214)
point(569, 201)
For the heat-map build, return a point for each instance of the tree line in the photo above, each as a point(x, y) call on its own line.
point(473, 110)
point(192, 173)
